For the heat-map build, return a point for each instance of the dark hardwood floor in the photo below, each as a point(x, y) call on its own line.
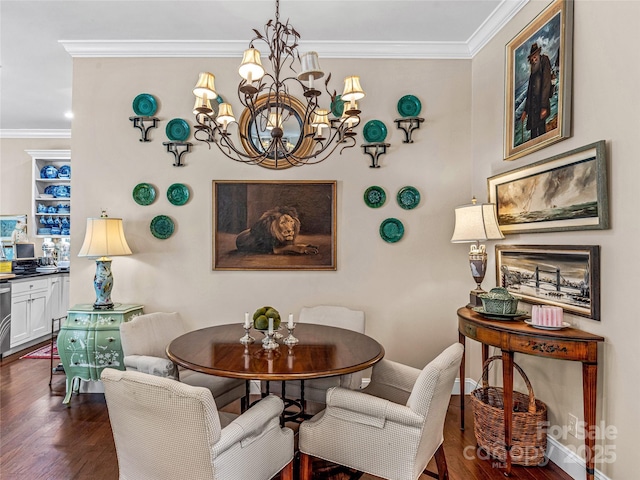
point(41, 439)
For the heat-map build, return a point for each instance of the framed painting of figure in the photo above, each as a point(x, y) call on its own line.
point(538, 82)
point(274, 225)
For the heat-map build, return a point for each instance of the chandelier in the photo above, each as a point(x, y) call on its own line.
point(277, 129)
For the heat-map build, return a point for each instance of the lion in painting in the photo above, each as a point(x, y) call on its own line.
point(276, 232)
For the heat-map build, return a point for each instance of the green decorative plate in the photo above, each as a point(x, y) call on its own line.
point(408, 198)
point(178, 194)
point(337, 106)
point(501, 316)
point(177, 130)
point(409, 106)
point(374, 131)
point(145, 105)
point(391, 230)
point(162, 227)
point(144, 194)
point(375, 197)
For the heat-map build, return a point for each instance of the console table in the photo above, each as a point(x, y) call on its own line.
point(515, 336)
point(89, 342)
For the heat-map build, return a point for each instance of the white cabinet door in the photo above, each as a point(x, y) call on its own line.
point(38, 316)
point(64, 297)
point(20, 329)
point(55, 294)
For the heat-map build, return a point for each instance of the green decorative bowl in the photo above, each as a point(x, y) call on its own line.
point(499, 301)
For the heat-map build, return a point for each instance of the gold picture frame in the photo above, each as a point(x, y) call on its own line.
point(296, 132)
point(538, 82)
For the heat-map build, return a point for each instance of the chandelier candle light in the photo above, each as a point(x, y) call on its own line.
point(104, 238)
point(270, 101)
point(475, 223)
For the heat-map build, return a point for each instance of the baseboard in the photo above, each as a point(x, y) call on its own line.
point(469, 386)
point(563, 456)
point(572, 464)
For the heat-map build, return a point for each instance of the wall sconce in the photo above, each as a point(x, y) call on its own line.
point(144, 106)
point(178, 149)
point(475, 223)
point(178, 131)
point(408, 125)
point(409, 108)
point(139, 122)
point(375, 151)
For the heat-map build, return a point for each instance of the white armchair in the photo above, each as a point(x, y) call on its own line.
point(316, 390)
point(166, 430)
point(144, 345)
point(390, 429)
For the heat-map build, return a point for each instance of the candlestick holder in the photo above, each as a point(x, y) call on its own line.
point(268, 342)
point(247, 339)
point(291, 340)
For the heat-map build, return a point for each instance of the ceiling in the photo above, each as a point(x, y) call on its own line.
point(38, 39)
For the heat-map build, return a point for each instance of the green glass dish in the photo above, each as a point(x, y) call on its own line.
point(408, 198)
point(144, 194)
point(177, 130)
point(409, 106)
point(375, 196)
point(145, 105)
point(337, 106)
point(391, 230)
point(374, 131)
point(178, 194)
point(162, 227)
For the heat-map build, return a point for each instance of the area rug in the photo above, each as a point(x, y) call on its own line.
point(43, 352)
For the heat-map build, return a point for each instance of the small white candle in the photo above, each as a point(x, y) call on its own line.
point(270, 325)
point(290, 324)
point(247, 323)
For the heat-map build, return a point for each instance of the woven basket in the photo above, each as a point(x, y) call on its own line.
point(529, 422)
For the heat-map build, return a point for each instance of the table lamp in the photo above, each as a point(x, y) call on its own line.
point(475, 223)
point(104, 238)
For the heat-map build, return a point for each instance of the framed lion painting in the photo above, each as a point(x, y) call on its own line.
point(269, 225)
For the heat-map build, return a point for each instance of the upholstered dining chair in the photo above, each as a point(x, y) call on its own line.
point(144, 343)
point(390, 429)
point(333, 316)
point(166, 430)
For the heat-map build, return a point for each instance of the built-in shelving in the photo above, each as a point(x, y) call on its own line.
point(55, 204)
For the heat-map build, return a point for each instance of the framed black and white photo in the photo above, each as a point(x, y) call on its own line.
point(560, 275)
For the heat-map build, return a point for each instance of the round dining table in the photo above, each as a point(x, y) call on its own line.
point(321, 351)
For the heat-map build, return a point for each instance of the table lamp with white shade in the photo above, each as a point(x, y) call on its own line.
point(475, 223)
point(104, 238)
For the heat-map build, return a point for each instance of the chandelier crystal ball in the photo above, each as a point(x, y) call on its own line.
point(282, 124)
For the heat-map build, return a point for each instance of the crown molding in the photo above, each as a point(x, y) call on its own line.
point(502, 14)
point(327, 49)
point(34, 133)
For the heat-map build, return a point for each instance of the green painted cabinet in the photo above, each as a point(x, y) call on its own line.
point(89, 341)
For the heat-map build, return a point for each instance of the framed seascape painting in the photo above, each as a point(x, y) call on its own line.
point(559, 275)
point(538, 82)
point(565, 192)
point(274, 225)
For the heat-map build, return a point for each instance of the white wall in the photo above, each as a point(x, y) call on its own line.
point(605, 101)
point(409, 290)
